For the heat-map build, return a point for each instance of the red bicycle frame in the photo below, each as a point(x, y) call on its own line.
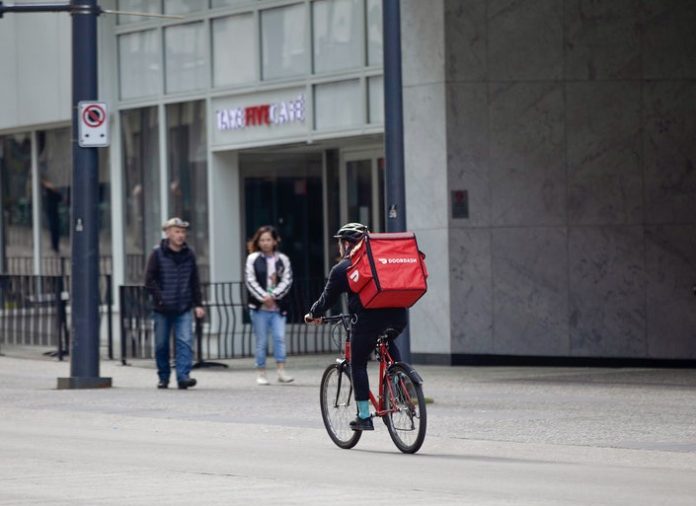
point(385, 361)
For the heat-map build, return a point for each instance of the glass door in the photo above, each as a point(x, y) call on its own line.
point(363, 187)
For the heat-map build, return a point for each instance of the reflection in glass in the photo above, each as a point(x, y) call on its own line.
point(283, 52)
point(359, 186)
point(16, 203)
point(55, 173)
point(374, 32)
point(337, 35)
point(228, 3)
point(375, 92)
point(188, 174)
point(184, 6)
point(137, 6)
point(139, 64)
point(139, 131)
point(234, 63)
point(330, 105)
point(185, 57)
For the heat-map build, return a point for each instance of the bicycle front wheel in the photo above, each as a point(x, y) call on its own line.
point(337, 405)
point(405, 405)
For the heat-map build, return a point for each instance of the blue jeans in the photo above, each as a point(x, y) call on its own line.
point(262, 322)
point(183, 333)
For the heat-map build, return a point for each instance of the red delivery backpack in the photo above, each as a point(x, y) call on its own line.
point(388, 270)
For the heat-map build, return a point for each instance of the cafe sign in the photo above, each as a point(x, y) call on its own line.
point(259, 115)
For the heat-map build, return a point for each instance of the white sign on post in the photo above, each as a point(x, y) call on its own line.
point(93, 124)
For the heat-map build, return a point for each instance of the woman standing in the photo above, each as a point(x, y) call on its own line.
point(268, 277)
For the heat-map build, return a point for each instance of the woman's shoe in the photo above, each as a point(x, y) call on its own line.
point(261, 378)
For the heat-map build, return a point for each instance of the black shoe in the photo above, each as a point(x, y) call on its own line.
point(163, 384)
point(362, 424)
point(187, 383)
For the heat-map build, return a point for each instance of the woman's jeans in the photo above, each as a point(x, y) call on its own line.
point(263, 322)
point(182, 324)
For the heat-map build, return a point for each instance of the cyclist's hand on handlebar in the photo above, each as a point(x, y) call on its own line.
point(309, 319)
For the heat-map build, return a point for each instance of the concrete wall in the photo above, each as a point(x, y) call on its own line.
point(570, 124)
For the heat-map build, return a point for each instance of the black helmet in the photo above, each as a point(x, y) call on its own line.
point(352, 232)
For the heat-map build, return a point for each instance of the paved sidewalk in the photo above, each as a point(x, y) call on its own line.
point(495, 436)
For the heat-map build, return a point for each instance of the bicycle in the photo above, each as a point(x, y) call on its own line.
point(399, 401)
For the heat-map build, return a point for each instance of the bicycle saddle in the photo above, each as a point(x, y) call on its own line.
point(391, 333)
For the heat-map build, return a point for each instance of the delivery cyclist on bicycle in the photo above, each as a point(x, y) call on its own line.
point(369, 325)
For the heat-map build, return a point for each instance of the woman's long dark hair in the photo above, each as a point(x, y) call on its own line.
point(253, 243)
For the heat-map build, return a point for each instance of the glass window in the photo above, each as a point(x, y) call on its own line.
point(184, 6)
point(16, 199)
point(234, 63)
point(374, 32)
point(376, 97)
point(228, 3)
point(337, 35)
point(283, 52)
point(382, 182)
point(185, 57)
point(359, 186)
point(55, 176)
point(105, 244)
point(137, 6)
point(188, 174)
point(338, 105)
point(139, 63)
point(141, 188)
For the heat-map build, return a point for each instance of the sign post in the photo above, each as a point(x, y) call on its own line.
point(89, 124)
point(394, 135)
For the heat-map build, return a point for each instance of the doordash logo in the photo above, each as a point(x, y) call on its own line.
point(354, 276)
point(385, 261)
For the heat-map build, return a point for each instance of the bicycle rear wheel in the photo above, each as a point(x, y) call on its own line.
point(406, 417)
point(337, 406)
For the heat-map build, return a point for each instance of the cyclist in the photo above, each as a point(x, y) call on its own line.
point(369, 325)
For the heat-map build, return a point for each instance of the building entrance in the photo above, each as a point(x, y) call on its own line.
point(285, 191)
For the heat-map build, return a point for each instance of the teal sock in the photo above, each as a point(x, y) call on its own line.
point(364, 409)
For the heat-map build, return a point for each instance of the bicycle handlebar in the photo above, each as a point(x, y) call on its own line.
point(335, 318)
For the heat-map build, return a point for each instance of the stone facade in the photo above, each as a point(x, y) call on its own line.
point(570, 125)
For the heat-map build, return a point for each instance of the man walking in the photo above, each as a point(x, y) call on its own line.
point(174, 286)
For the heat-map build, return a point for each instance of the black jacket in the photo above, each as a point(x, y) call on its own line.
point(369, 320)
point(172, 279)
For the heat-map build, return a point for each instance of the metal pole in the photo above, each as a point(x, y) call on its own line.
point(394, 135)
point(84, 226)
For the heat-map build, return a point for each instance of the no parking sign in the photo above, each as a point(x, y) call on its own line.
point(93, 124)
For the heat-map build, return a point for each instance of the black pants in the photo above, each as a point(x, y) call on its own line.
point(363, 343)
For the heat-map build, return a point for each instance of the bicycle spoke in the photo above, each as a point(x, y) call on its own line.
point(337, 408)
point(406, 410)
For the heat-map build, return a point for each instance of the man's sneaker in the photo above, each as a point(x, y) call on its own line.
point(261, 378)
point(163, 384)
point(187, 383)
point(362, 424)
point(284, 377)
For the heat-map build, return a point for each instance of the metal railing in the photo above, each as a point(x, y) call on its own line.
point(226, 331)
point(35, 311)
point(50, 265)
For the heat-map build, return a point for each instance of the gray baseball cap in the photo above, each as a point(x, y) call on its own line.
point(175, 222)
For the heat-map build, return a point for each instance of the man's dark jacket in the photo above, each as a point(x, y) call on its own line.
point(172, 279)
